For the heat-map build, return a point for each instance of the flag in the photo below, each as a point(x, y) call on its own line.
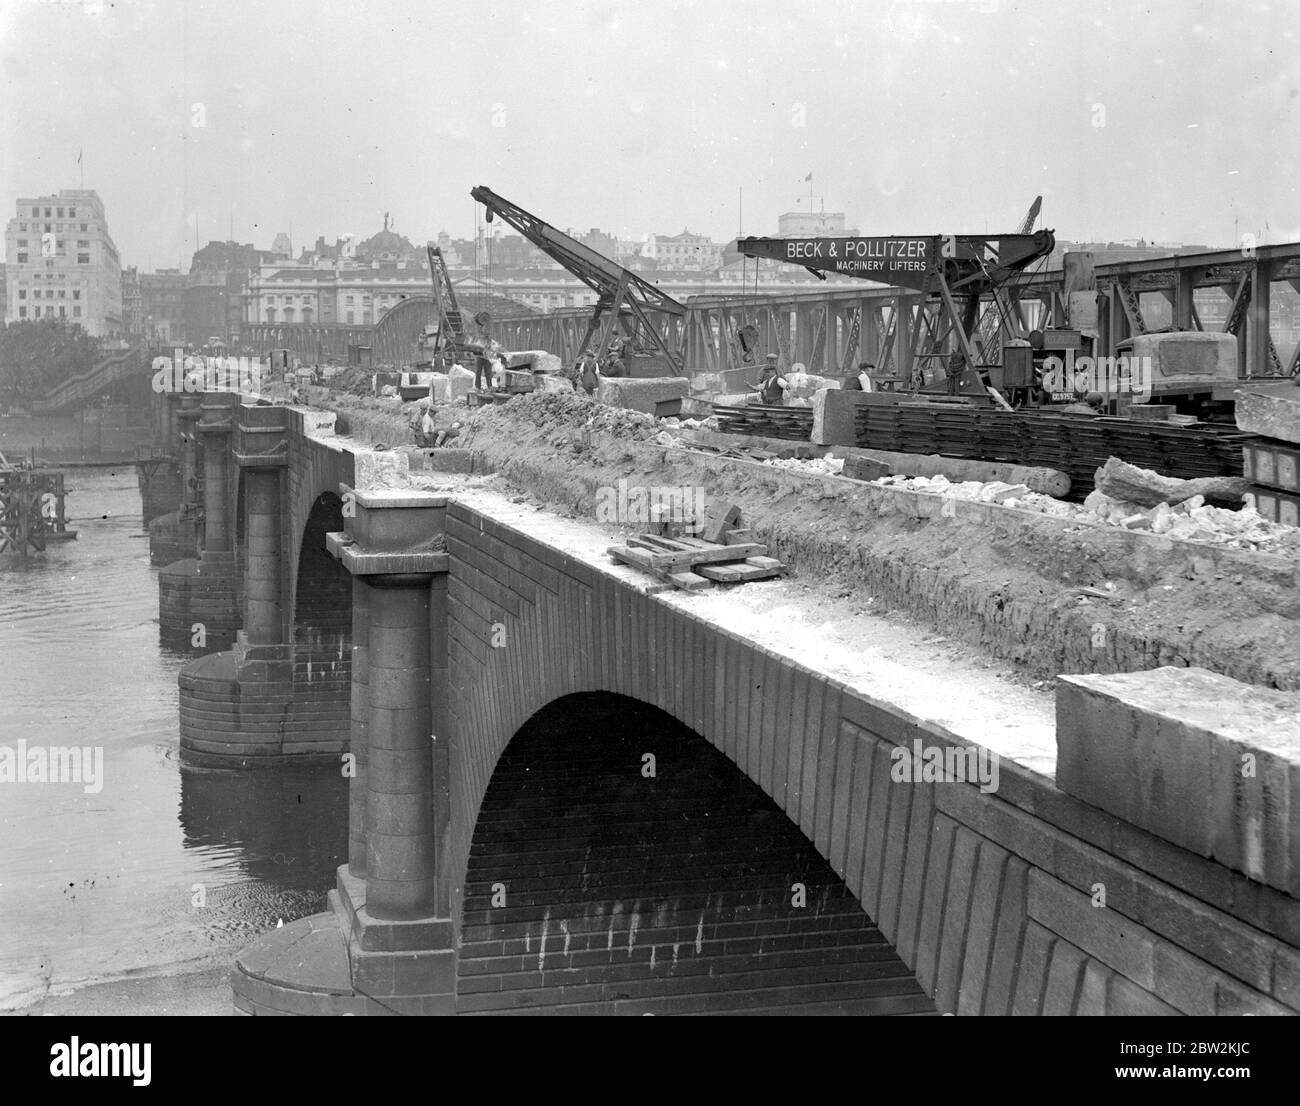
point(79, 150)
point(808, 177)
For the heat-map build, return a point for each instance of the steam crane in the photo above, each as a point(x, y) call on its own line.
point(950, 271)
point(647, 316)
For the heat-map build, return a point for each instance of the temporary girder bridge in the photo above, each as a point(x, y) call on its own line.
point(648, 317)
point(950, 272)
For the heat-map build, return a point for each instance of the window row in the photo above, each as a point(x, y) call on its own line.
point(49, 312)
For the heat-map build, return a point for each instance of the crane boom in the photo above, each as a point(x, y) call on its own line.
point(624, 300)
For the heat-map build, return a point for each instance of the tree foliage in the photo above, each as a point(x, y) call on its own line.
point(39, 354)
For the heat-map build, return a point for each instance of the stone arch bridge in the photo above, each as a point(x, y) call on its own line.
point(476, 666)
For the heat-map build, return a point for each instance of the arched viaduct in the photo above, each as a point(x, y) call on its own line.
point(419, 636)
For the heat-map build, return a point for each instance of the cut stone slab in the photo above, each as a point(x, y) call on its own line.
point(1272, 410)
point(642, 394)
point(1194, 757)
point(834, 416)
point(536, 360)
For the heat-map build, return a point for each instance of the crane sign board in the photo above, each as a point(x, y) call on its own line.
point(906, 259)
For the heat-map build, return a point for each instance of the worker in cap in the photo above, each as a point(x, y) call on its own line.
point(771, 389)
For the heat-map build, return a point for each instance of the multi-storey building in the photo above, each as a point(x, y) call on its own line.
point(812, 224)
point(685, 251)
point(215, 290)
point(338, 291)
point(132, 304)
point(162, 305)
point(62, 263)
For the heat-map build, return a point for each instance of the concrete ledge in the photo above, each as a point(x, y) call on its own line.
point(1197, 758)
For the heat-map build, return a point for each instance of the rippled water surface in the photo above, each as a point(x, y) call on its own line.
point(161, 865)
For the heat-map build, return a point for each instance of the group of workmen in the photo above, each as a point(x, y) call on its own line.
point(773, 386)
point(591, 371)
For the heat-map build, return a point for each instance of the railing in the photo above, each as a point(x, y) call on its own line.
point(79, 389)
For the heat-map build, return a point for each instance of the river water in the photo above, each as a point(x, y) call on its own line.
point(161, 866)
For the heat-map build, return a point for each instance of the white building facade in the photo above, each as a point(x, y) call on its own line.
point(62, 263)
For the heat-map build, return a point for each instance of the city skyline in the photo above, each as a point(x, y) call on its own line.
point(910, 115)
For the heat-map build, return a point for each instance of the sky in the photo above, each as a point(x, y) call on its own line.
point(1173, 120)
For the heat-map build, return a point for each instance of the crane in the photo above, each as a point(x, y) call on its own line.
point(943, 268)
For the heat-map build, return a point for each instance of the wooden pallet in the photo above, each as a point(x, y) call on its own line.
point(693, 564)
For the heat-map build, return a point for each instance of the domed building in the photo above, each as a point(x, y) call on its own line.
point(387, 246)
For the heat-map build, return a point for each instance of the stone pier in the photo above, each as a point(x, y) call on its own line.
point(198, 598)
point(176, 536)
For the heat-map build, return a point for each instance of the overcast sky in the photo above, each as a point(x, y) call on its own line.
point(1173, 121)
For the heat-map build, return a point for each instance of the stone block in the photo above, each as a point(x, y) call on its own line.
point(461, 381)
point(553, 384)
point(1272, 410)
point(803, 385)
point(834, 412)
point(440, 388)
point(1196, 758)
point(642, 395)
point(538, 360)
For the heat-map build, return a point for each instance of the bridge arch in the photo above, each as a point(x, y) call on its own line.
point(622, 864)
point(321, 630)
point(527, 626)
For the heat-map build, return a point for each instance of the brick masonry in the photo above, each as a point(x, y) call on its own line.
point(595, 887)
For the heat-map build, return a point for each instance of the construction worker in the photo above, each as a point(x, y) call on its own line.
point(589, 373)
point(615, 366)
point(771, 389)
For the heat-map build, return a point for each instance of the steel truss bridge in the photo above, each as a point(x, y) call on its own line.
point(831, 330)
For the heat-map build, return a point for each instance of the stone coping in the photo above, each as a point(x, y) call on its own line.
point(1016, 723)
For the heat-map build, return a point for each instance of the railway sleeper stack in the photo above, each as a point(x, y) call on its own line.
point(1075, 445)
point(791, 423)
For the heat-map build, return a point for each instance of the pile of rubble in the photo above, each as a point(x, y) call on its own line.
point(1190, 520)
point(816, 466)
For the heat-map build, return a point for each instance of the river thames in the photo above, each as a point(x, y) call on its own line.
point(161, 869)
